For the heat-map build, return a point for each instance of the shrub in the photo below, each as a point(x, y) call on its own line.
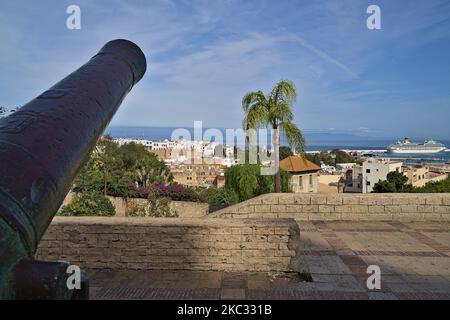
point(138, 210)
point(434, 187)
point(118, 184)
point(395, 182)
point(223, 196)
point(114, 169)
point(175, 192)
point(246, 180)
point(88, 204)
point(331, 158)
point(156, 207)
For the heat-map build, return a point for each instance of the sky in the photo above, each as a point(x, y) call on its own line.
point(203, 56)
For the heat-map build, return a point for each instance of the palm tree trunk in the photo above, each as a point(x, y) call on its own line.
point(276, 145)
point(105, 184)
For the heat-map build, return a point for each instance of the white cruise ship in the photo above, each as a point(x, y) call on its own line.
point(406, 146)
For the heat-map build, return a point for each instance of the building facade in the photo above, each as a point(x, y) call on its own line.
point(303, 174)
point(362, 178)
point(419, 176)
point(194, 174)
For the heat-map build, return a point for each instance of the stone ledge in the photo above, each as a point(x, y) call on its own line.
point(173, 243)
point(343, 206)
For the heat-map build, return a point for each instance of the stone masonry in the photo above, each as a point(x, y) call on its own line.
point(173, 243)
point(414, 260)
point(344, 206)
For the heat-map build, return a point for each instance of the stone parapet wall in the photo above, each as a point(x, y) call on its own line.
point(343, 206)
point(184, 209)
point(173, 243)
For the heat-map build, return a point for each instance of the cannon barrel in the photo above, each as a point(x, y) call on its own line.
point(42, 148)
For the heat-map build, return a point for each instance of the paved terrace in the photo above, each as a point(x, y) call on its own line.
point(414, 258)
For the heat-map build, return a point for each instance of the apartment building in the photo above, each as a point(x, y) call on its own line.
point(418, 176)
point(362, 178)
point(200, 173)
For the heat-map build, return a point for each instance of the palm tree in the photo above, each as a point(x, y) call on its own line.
point(274, 111)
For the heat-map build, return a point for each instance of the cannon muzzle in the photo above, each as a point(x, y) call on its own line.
point(42, 148)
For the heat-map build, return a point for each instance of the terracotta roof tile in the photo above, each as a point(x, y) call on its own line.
point(298, 164)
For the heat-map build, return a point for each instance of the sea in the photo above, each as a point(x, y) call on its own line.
point(315, 141)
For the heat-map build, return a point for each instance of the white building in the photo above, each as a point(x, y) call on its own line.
point(327, 168)
point(362, 178)
point(345, 166)
point(182, 150)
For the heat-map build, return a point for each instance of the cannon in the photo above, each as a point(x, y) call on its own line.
point(42, 148)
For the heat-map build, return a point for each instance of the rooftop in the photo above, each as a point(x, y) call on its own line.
point(298, 164)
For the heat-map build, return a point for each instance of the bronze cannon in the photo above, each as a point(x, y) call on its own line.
point(42, 148)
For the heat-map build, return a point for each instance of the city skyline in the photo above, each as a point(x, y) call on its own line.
point(204, 56)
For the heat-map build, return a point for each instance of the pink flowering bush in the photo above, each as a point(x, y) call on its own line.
point(175, 192)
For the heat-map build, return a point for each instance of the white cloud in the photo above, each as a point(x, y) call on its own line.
point(204, 55)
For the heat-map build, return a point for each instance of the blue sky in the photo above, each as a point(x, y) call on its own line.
point(205, 55)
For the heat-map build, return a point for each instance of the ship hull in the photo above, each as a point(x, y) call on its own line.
point(437, 150)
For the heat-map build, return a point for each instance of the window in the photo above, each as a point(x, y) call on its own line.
point(367, 170)
point(367, 183)
point(310, 180)
point(300, 181)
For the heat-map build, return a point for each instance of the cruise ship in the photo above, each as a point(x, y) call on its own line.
point(406, 146)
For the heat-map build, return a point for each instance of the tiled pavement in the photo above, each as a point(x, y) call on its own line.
point(414, 259)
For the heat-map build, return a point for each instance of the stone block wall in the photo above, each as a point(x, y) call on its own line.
point(343, 206)
point(184, 209)
point(173, 243)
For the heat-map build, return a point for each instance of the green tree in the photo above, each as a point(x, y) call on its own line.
point(331, 158)
point(143, 165)
point(395, 182)
point(434, 187)
point(88, 204)
point(157, 207)
point(243, 179)
point(285, 152)
point(104, 158)
point(102, 172)
point(274, 111)
point(343, 157)
point(113, 169)
point(247, 182)
point(223, 196)
point(399, 180)
point(384, 187)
